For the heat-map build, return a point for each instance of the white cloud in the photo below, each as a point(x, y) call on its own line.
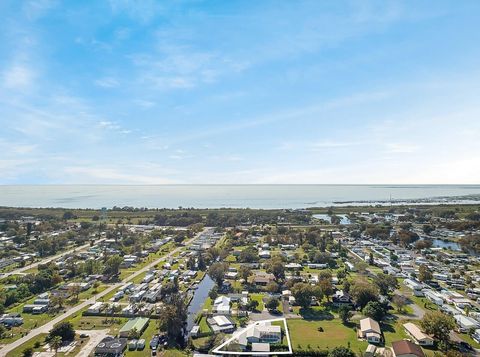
point(143, 11)
point(107, 82)
point(18, 76)
point(38, 8)
point(402, 148)
point(144, 103)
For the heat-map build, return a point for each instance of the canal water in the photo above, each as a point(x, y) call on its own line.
point(199, 297)
point(438, 243)
point(343, 218)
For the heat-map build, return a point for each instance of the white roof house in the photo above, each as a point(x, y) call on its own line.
point(370, 330)
point(419, 337)
point(95, 308)
point(221, 305)
point(266, 333)
point(434, 297)
point(466, 323)
point(221, 320)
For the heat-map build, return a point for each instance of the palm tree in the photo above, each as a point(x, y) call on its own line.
point(55, 343)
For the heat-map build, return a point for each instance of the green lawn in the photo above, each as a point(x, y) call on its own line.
point(305, 333)
point(204, 328)
point(98, 323)
point(207, 305)
point(92, 291)
point(424, 303)
point(470, 340)
point(259, 298)
point(18, 351)
point(393, 332)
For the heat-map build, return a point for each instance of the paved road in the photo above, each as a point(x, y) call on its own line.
point(49, 259)
point(49, 325)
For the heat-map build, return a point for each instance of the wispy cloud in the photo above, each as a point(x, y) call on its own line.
point(18, 76)
point(402, 148)
point(107, 82)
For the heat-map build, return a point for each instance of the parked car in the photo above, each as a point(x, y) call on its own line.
point(464, 346)
point(154, 342)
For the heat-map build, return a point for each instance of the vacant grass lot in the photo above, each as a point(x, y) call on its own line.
point(259, 298)
point(98, 323)
point(305, 333)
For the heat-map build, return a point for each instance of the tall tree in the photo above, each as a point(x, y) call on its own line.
point(244, 272)
point(217, 272)
point(374, 310)
point(345, 313)
point(303, 294)
point(363, 292)
point(385, 283)
point(63, 329)
point(173, 317)
point(55, 343)
point(277, 268)
point(112, 265)
point(424, 273)
point(438, 325)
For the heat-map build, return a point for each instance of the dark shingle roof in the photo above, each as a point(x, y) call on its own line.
point(406, 347)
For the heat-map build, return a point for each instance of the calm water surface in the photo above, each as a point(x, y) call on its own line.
point(199, 297)
point(234, 196)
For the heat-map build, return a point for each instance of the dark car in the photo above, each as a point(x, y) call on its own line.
point(162, 340)
point(465, 346)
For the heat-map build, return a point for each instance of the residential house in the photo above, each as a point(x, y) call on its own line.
point(418, 336)
point(264, 333)
point(221, 305)
point(11, 320)
point(221, 323)
point(406, 349)
point(138, 324)
point(341, 298)
point(262, 279)
point(466, 323)
point(370, 330)
point(111, 347)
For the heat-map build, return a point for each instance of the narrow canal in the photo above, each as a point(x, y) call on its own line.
point(199, 297)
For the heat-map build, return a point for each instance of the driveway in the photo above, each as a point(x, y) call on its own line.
point(95, 337)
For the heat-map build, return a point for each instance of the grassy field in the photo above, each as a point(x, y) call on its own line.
point(204, 328)
point(40, 339)
point(207, 305)
point(98, 323)
point(305, 333)
point(259, 298)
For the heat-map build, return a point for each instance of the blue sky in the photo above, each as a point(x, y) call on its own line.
point(152, 92)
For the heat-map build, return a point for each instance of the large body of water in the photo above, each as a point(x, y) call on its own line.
point(234, 196)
